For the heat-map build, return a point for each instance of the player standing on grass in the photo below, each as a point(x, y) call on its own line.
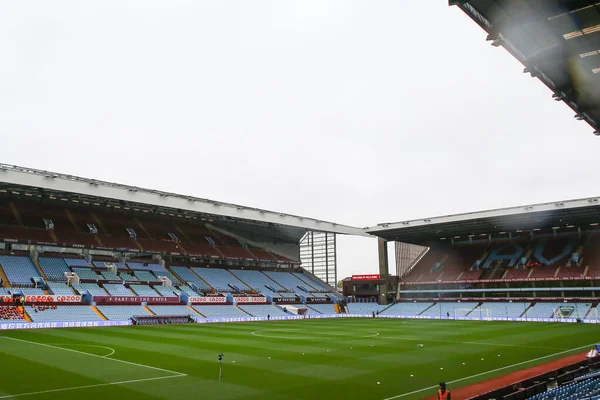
point(443, 393)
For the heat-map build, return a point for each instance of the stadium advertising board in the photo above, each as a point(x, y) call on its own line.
point(565, 278)
point(61, 324)
point(250, 299)
point(53, 299)
point(135, 300)
point(368, 277)
point(208, 299)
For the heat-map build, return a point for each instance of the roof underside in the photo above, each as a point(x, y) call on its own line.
point(558, 41)
point(43, 184)
point(563, 216)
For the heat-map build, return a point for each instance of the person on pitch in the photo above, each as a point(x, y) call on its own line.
point(443, 393)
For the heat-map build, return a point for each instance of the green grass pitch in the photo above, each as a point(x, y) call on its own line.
point(311, 359)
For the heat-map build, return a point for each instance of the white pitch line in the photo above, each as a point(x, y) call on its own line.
point(94, 355)
point(89, 386)
point(112, 351)
point(458, 342)
point(491, 371)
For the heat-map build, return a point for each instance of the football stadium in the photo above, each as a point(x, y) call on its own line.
point(116, 291)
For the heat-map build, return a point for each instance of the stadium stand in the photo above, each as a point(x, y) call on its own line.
point(127, 277)
point(550, 310)
point(60, 289)
point(144, 276)
point(167, 291)
point(86, 273)
point(54, 268)
point(256, 280)
point(19, 270)
point(172, 310)
point(12, 313)
point(63, 313)
point(453, 309)
point(501, 309)
point(364, 308)
point(262, 310)
point(220, 279)
point(143, 290)
point(92, 288)
point(111, 276)
point(218, 311)
point(76, 262)
point(581, 389)
point(408, 309)
point(32, 291)
point(321, 308)
point(118, 290)
point(121, 313)
point(186, 275)
point(288, 281)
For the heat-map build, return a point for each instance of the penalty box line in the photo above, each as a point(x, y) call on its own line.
point(90, 386)
point(492, 371)
point(95, 355)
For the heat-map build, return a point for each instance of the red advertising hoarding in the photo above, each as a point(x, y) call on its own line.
point(208, 299)
point(135, 300)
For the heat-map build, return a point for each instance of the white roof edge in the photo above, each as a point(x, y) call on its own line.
point(499, 212)
point(91, 187)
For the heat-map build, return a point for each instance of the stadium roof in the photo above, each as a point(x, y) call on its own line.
point(558, 41)
point(561, 215)
point(31, 181)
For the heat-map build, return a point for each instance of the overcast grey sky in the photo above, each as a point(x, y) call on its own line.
point(358, 112)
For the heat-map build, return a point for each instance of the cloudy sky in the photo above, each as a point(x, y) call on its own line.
point(357, 112)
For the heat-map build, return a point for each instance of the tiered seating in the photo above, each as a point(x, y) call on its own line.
point(322, 308)
point(571, 272)
point(102, 264)
point(145, 276)
point(314, 282)
point(220, 279)
point(93, 288)
point(255, 279)
point(157, 269)
point(187, 275)
point(60, 289)
point(66, 313)
point(117, 290)
point(76, 262)
point(32, 292)
point(188, 290)
point(500, 309)
point(111, 276)
point(582, 389)
point(454, 309)
point(172, 310)
point(143, 290)
point(19, 270)
point(288, 281)
point(517, 273)
point(86, 273)
point(220, 311)
point(127, 277)
point(121, 313)
point(263, 310)
point(364, 308)
point(547, 310)
point(407, 309)
point(543, 272)
point(166, 291)
point(261, 254)
point(11, 313)
point(54, 268)
point(194, 240)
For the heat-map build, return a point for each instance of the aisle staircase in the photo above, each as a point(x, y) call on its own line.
point(98, 312)
point(4, 278)
point(149, 311)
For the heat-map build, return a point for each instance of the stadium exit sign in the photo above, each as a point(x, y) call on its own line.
point(371, 277)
